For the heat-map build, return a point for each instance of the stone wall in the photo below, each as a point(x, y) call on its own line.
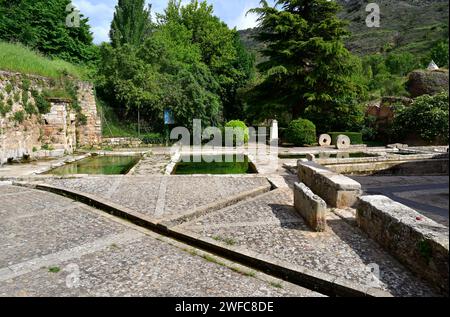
point(91, 133)
point(337, 190)
point(36, 134)
point(418, 242)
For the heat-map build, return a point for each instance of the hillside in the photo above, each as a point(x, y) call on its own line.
point(21, 59)
point(411, 25)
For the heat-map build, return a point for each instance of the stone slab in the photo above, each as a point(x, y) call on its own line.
point(310, 206)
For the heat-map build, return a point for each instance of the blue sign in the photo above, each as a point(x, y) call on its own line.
point(168, 117)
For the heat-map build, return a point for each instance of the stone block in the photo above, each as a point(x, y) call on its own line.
point(310, 206)
point(337, 190)
point(418, 242)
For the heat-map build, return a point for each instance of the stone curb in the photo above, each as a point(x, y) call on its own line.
point(323, 283)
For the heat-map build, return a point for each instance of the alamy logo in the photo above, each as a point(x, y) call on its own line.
point(373, 19)
point(73, 18)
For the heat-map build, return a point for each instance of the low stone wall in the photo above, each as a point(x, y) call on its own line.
point(337, 190)
point(122, 142)
point(310, 206)
point(419, 243)
point(394, 167)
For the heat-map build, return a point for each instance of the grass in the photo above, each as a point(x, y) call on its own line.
point(227, 241)
point(54, 269)
point(18, 58)
point(276, 285)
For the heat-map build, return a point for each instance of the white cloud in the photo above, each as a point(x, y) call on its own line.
point(245, 20)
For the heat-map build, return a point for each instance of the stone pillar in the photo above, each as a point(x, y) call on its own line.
point(274, 132)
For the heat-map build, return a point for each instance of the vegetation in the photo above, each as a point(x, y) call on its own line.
point(192, 64)
point(301, 132)
point(131, 23)
point(242, 132)
point(48, 32)
point(19, 116)
point(309, 73)
point(355, 137)
point(427, 117)
point(18, 58)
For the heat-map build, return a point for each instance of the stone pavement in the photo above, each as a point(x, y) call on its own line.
point(269, 225)
point(162, 197)
point(429, 195)
point(53, 246)
point(151, 164)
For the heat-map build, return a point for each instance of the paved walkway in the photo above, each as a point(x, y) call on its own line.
point(266, 224)
point(428, 195)
point(52, 246)
point(163, 197)
point(269, 225)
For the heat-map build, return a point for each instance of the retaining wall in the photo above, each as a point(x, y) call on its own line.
point(418, 242)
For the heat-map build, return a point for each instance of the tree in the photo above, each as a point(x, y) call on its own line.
point(439, 53)
point(221, 48)
point(308, 66)
point(131, 23)
point(401, 63)
point(41, 25)
point(165, 72)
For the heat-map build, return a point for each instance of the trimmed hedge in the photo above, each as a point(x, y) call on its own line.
point(241, 127)
point(355, 137)
point(301, 132)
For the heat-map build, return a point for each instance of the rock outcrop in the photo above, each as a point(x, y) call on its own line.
point(424, 82)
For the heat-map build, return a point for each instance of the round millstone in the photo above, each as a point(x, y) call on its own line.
point(325, 140)
point(343, 142)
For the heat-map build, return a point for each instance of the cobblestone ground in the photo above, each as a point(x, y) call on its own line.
point(163, 196)
point(270, 226)
point(151, 164)
point(52, 246)
point(428, 195)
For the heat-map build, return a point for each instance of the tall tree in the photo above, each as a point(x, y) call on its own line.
point(308, 69)
point(131, 23)
point(41, 25)
point(221, 48)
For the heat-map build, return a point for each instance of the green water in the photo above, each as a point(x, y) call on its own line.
point(98, 165)
point(215, 165)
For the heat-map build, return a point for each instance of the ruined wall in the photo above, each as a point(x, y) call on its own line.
point(26, 133)
point(91, 132)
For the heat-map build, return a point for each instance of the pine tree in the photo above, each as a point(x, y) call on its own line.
point(131, 23)
point(308, 69)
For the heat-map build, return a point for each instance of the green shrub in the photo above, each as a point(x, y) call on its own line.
point(301, 132)
point(26, 84)
point(427, 117)
point(152, 138)
point(17, 97)
point(355, 137)
point(25, 97)
point(42, 104)
point(47, 147)
point(8, 88)
point(4, 108)
point(240, 128)
point(30, 108)
point(81, 119)
point(19, 116)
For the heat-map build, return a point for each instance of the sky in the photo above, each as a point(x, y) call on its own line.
point(100, 13)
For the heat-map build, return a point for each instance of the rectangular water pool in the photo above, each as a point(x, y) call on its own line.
point(215, 165)
point(98, 165)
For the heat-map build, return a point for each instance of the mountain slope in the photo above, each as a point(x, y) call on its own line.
point(410, 25)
